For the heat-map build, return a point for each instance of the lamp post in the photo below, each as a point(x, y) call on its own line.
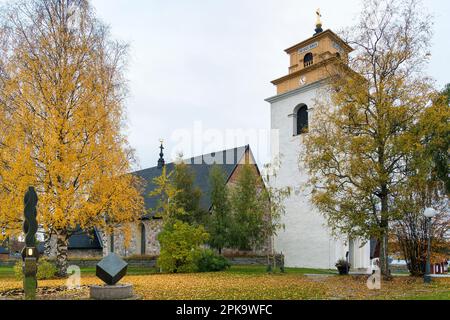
point(429, 213)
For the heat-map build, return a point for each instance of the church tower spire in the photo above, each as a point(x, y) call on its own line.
point(313, 59)
point(318, 23)
point(161, 161)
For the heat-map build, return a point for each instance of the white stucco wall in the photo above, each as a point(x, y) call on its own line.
point(360, 257)
point(306, 241)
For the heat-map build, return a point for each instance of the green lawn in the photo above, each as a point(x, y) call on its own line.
point(260, 270)
point(238, 270)
point(6, 272)
point(132, 271)
point(433, 296)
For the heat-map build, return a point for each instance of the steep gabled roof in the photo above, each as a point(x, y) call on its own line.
point(228, 160)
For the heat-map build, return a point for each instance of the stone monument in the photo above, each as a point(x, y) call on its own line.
point(30, 253)
point(111, 270)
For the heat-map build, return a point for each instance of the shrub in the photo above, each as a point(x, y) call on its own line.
point(343, 267)
point(18, 273)
point(209, 261)
point(180, 247)
point(46, 270)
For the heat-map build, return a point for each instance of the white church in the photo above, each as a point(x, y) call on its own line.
point(306, 241)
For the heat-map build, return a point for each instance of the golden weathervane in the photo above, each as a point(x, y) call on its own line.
point(319, 16)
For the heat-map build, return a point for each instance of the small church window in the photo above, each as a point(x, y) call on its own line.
point(308, 60)
point(142, 239)
point(301, 122)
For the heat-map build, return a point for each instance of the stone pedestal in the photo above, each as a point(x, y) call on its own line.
point(115, 292)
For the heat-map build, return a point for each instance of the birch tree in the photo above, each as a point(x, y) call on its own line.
point(62, 114)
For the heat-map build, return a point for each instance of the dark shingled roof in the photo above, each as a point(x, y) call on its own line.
point(200, 166)
point(85, 240)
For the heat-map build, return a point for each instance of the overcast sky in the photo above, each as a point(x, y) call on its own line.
point(213, 60)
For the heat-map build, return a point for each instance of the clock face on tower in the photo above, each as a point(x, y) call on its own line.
point(303, 81)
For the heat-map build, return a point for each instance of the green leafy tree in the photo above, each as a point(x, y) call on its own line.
point(180, 242)
point(181, 247)
point(249, 210)
point(220, 220)
point(435, 127)
point(274, 200)
point(427, 187)
point(166, 191)
point(446, 94)
point(188, 195)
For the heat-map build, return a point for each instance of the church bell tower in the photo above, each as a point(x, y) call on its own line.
point(306, 241)
point(312, 60)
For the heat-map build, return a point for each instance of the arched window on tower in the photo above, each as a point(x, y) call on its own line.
point(308, 60)
point(301, 119)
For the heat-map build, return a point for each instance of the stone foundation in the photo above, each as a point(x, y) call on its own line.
point(134, 248)
point(91, 253)
point(135, 263)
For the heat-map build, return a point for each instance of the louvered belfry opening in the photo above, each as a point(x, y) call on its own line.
point(308, 60)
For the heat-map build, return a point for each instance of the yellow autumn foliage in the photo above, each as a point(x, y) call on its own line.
point(62, 91)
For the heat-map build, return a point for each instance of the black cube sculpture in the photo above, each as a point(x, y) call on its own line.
point(111, 269)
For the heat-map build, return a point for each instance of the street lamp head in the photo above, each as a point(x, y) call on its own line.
point(430, 213)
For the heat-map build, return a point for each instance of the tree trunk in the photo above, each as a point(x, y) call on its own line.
point(47, 244)
point(105, 241)
point(62, 245)
point(384, 255)
point(384, 245)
